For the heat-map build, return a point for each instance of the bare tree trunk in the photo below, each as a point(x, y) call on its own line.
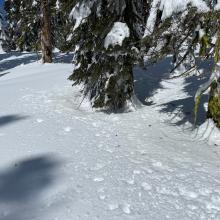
point(46, 44)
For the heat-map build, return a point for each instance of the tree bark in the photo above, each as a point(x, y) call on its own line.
point(46, 44)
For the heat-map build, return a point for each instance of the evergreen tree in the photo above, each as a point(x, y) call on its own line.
point(24, 22)
point(181, 33)
point(29, 25)
point(107, 35)
point(61, 24)
point(3, 34)
point(12, 8)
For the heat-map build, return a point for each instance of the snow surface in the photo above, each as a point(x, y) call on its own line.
point(116, 36)
point(62, 161)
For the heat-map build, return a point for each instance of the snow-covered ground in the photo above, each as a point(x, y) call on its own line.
point(62, 161)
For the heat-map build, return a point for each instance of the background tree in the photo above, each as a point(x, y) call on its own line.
point(62, 28)
point(46, 40)
point(12, 8)
point(28, 26)
point(3, 31)
point(25, 24)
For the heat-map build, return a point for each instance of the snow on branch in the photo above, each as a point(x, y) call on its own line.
point(117, 34)
point(80, 12)
point(170, 7)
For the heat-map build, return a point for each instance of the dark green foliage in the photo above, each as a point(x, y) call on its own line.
point(107, 73)
point(61, 25)
point(29, 26)
point(12, 8)
point(25, 25)
point(3, 34)
point(214, 104)
point(180, 35)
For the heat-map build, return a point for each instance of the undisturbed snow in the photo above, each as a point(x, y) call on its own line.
point(62, 161)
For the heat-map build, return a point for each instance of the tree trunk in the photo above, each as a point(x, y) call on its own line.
point(46, 44)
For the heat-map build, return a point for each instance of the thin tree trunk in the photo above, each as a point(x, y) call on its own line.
point(46, 44)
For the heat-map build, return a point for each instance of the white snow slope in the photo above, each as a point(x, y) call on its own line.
point(59, 161)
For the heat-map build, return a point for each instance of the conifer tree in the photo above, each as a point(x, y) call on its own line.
point(180, 33)
point(61, 24)
point(3, 31)
point(12, 8)
point(107, 35)
point(29, 25)
point(24, 22)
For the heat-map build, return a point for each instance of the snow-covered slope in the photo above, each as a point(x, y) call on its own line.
point(62, 161)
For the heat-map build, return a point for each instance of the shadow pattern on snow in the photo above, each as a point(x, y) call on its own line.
point(63, 57)
point(186, 106)
point(148, 81)
point(21, 185)
point(8, 119)
point(14, 59)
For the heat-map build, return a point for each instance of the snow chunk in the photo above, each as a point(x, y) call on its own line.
point(57, 4)
point(98, 179)
point(188, 194)
point(173, 6)
point(117, 35)
point(208, 132)
point(67, 129)
point(126, 208)
point(217, 7)
point(146, 186)
point(34, 3)
point(39, 120)
point(112, 207)
point(80, 12)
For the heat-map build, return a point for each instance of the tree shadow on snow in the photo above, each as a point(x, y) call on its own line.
point(63, 57)
point(22, 184)
point(147, 81)
point(182, 110)
point(14, 59)
point(8, 119)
